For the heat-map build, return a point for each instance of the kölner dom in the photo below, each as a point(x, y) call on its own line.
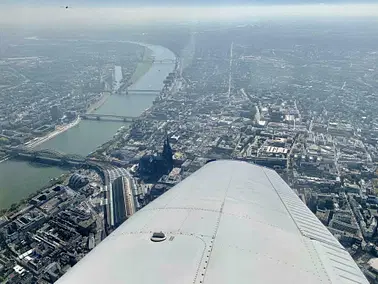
point(152, 167)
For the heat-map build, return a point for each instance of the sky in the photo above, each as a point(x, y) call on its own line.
point(118, 3)
point(95, 13)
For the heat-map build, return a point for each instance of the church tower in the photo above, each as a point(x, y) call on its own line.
point(167, 153)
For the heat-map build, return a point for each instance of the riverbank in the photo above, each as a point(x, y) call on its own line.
point(93, 107)
point(142, 67)
point(58, 130)
point(37, 141)
point(4, 159)
point(62, 128)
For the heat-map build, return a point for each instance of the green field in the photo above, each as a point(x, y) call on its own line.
point(142, 67)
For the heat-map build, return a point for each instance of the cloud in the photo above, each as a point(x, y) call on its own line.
point(47, 16)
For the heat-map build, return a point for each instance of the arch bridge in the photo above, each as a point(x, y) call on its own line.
point(107, 117)
point(46, 155)
point(161, 61)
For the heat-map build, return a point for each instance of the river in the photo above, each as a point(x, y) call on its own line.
point(18, 179)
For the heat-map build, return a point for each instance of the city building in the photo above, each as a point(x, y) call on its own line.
point(154, 166)
point(77, 181)
point(55, 112)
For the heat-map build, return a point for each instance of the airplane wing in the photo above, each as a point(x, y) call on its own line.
point(229, 222)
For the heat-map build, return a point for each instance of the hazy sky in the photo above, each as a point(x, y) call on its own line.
point(94, 13)
point(119, 3)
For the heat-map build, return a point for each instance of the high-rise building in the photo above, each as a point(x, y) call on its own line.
point(257, 117)
point(168, 154)
point(55, 112)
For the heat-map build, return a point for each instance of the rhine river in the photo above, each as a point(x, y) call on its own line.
point(18, 179)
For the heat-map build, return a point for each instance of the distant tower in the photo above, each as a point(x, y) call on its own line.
point(167, 153)
point(257, 117)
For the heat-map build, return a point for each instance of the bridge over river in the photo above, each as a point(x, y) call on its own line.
point(143, 91)
point(107, 117)
point(47, 156)
point(161, 61)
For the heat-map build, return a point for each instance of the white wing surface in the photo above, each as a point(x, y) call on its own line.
point(229, 222)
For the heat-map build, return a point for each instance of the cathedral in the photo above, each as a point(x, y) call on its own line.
point(155, 166)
